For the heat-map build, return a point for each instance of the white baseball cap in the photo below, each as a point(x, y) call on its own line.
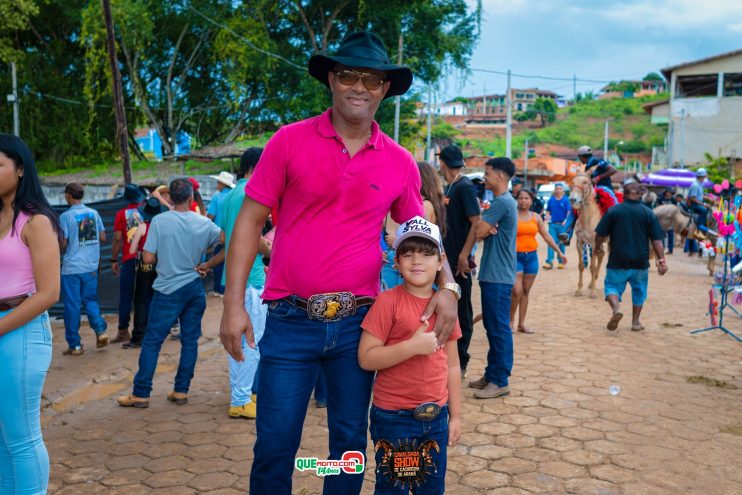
point(418, 227)
point(701, 172)
point(225, 178)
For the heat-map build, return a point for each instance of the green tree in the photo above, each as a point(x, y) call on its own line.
point(717, 168)
point(546, 109)
point(15, 15)
point(653, 76)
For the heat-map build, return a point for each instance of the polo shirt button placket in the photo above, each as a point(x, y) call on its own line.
point(345, 150)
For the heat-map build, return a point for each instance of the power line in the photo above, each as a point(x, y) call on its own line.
point(250, 43)
point(535, 76)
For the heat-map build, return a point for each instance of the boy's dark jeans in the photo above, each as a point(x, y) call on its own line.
point(400, 426)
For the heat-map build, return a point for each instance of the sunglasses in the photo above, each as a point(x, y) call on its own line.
point(349, 77)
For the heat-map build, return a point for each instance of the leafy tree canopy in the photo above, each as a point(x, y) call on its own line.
point(216, 69)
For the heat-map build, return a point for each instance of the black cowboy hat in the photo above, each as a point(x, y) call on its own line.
point(134, 193)
point(151, 208)
point(362, 50)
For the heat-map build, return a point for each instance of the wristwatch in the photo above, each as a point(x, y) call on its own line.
point(456, 288)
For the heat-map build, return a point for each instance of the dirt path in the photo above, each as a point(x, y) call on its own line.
point(674, 427)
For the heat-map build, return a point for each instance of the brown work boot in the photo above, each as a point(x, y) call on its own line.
point(480, 383)
point(491, 391)
point(101, 340)
point(133, 401)
point(123, 336)
point(177, 397)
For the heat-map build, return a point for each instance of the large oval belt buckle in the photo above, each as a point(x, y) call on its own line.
point(427, 411)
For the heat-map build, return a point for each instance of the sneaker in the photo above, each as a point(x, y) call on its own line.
point(480, 384)
point(177, 397)
point(560, 266)
point(248, 411)
point(463, 373)
point(101, 340)
point(131, 345)
point(175, 335)
point(320, 404)
point(73, 351)
point(547, 266)
point(492, 391)
point(133, 401)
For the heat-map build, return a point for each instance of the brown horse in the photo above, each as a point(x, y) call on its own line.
point(582, 197)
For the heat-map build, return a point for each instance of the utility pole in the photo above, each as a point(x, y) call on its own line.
point(508, 122)
point(574, 88)
point(398, 99)
point(122, 133)
point(525, 164)
point(605, 141)
point(682, 138)
point(484, 99)
point(16, 104)
point(430, 111)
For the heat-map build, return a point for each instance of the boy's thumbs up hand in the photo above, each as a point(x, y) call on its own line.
point(424, 342)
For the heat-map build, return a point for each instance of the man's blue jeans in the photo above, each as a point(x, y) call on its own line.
point(187, 304)
point(496, 319)
point(25, 354)
point(701, 216)
point(127, 277)
point(292, 352)
point(554, 230)
point(78, 290)
point(401, 426)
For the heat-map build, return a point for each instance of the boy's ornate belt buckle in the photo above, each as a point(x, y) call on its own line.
point(427, 411)
point(330, 307)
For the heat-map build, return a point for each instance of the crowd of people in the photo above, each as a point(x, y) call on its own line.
point(300, 261)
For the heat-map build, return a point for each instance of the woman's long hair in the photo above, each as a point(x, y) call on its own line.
point(29, 198)
point(432, 190)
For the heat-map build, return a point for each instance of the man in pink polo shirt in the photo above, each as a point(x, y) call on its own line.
point(333, 178)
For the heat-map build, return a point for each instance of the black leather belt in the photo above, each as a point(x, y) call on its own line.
point(330, 307)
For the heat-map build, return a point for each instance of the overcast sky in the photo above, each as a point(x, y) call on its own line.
point(595, 39)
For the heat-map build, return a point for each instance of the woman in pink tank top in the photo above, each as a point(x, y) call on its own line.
point(29, 264)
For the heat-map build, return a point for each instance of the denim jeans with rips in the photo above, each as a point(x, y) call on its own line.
point(293, 350)
point(187, 304)
point(496, 319)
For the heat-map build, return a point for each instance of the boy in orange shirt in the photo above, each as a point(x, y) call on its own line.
point(416, 410)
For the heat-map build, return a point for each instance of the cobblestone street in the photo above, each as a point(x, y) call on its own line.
point(673, 427)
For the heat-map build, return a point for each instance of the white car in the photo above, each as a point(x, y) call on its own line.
point(546, 190)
